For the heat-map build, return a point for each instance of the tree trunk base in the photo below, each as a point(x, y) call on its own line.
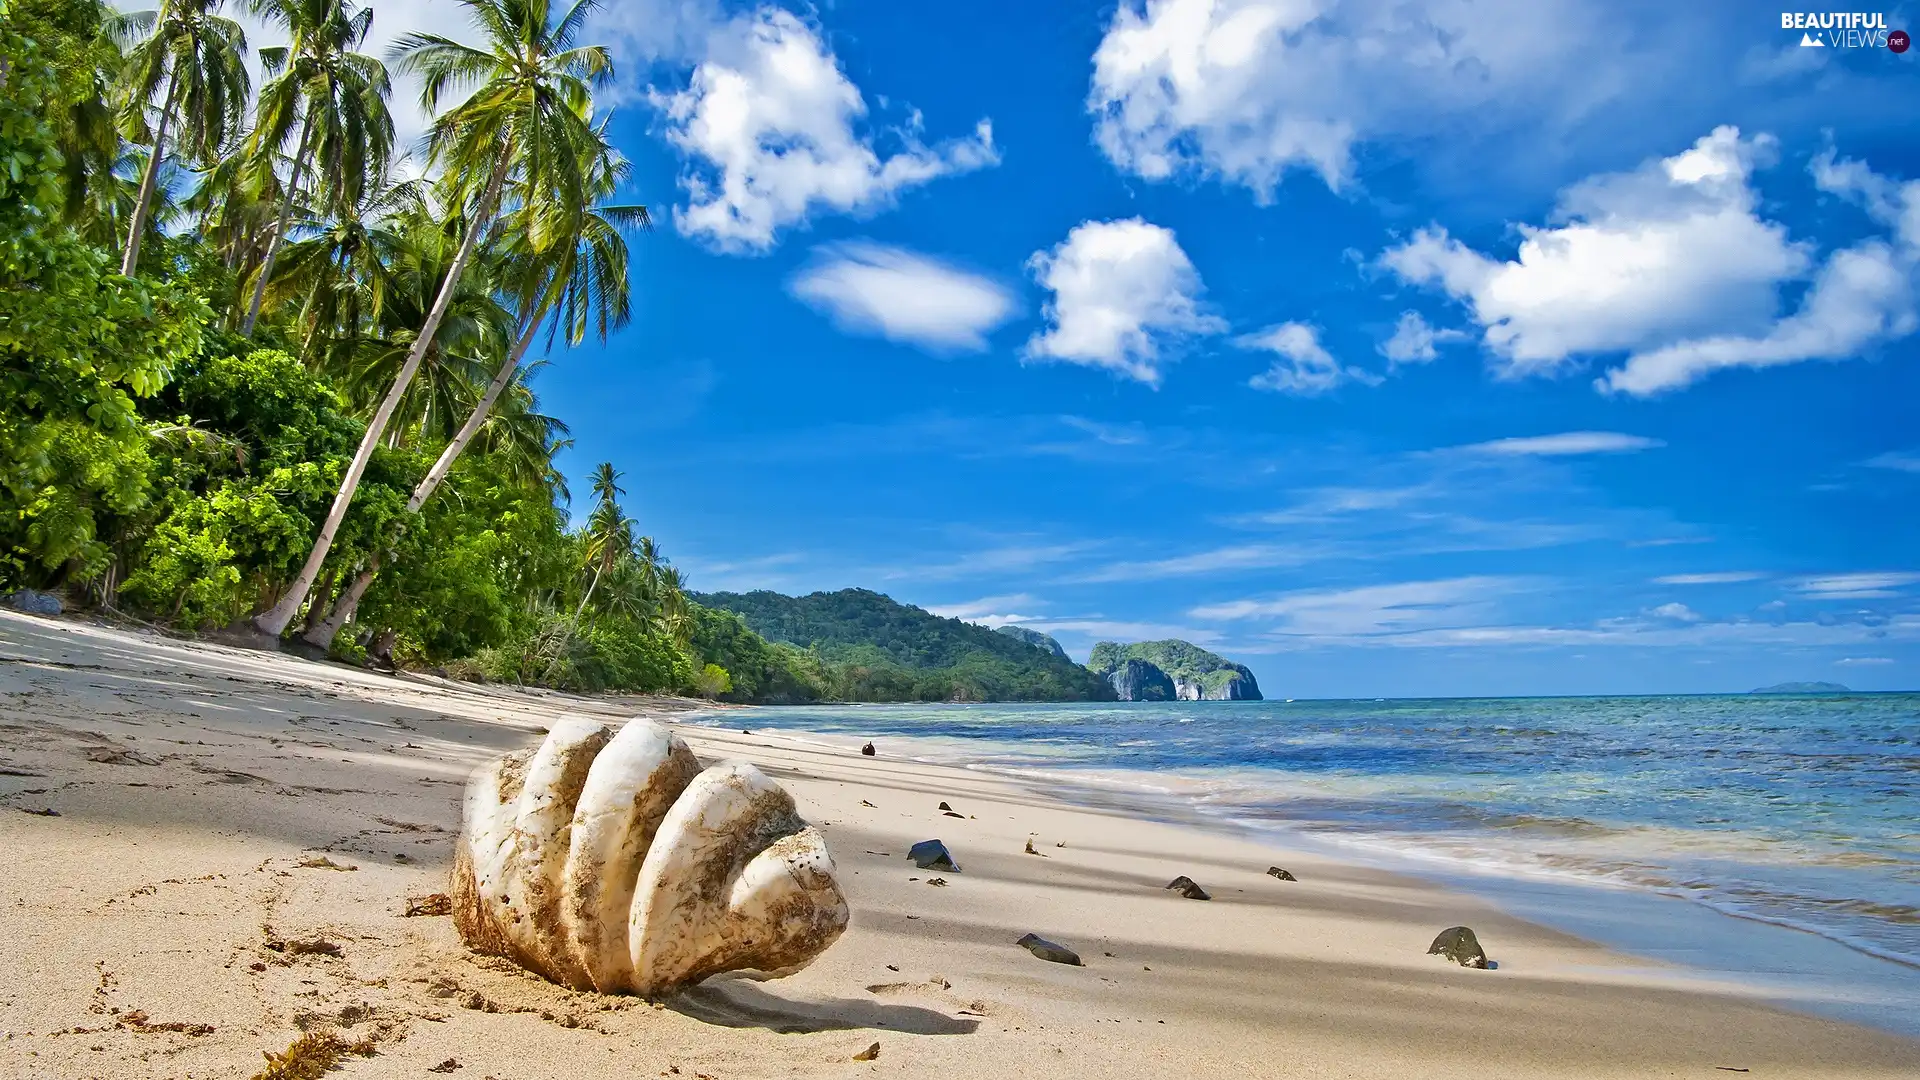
point(245, 634)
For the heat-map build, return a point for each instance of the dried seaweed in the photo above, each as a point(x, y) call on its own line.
point(311, 1056)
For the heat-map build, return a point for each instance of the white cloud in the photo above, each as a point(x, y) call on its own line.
point(1371, 609)
point(1668, 251)
point(1862, 296)
point(1302, 365)
point(1639, 633)
point(1413, 341)
point(1246, 90)
point(1899, 461)
point(1887, 201)
point(1863, 661)
point(1235, 557)
point(1719, 577)
point(903, 296)
point(1673, 264)
point(1097, 626)
point(991, 561)
point(1566, 444)
point(1133, 434)
point(1123, 293)
point(767, 124)
point(1676, 611)
point(1864, 586)
point(988, 610)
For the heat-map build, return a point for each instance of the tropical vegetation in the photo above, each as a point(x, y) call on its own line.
point(257, 375)
point(267, 373)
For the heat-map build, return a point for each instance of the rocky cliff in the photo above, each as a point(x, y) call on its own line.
point(1032, 637)
point(1138, 680)
point(1189, 672)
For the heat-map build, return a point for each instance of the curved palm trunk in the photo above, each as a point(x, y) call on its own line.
point(274, 621)
point(279, 230)
point(323, 632)
point(143, 204)
point(592, 585)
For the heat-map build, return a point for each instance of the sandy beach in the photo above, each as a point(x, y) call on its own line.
point(211, 851)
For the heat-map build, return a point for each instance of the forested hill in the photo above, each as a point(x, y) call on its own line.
point(895, 652)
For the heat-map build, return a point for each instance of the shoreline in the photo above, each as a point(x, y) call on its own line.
point(1795, 966)
point(196, 789)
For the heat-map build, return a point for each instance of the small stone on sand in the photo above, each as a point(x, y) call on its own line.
point(1276, 872)
point(1188, 888)
point(1458, 943)
point(932, 855)
point(871, 1053)
point(1048, 950)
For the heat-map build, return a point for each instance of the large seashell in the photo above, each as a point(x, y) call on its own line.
point(609, 861)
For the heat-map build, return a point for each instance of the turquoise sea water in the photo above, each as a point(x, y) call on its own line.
point(1802, 811)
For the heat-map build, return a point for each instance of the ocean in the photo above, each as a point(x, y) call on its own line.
point(1799, 811)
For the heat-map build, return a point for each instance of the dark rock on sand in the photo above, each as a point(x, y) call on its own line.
point(1458, 944)
point(34, 602)
point(932, 855)
point(944, 806)
point(1188, 888)
point(1276, 872)
point(867, 750)
point(1047, 950)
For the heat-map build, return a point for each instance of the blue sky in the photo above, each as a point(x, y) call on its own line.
point(1388, 347)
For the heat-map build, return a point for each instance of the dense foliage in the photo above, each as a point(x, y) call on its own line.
point(239, 361)
point(252, 382)
point(869, 648)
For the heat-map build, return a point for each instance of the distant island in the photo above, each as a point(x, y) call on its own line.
point(1803, 688)
point(1171, 670)
point(859, 645)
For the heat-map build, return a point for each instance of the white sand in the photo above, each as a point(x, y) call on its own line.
point(154, 896)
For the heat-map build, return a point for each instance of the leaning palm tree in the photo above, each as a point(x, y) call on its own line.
point(579, 278)
point(200, 57)
point(570, 287)
point(529, 114)
point(337, 96)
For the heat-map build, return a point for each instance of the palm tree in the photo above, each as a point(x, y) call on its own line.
point(579, 284)
point(609, 530)
point(200, 56)
point(530, 114)
point(340, 98)
point(579, 278)
point(338, 270)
